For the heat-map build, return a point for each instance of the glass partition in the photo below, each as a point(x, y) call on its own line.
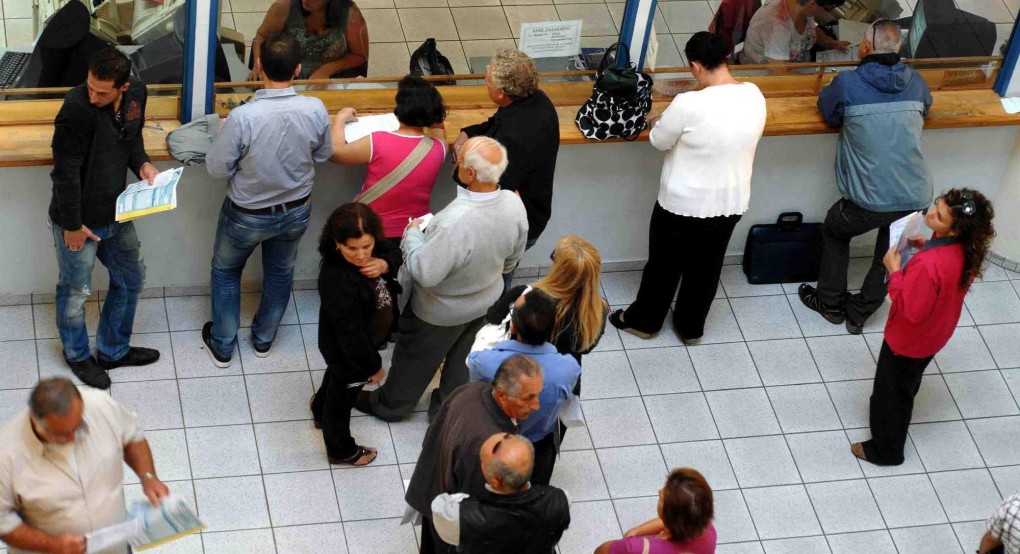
point(47, 43)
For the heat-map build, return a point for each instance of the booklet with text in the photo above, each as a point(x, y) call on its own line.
point(142, 199)
point(148, 526)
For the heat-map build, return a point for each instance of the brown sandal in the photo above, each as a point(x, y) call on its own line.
point(857, 449)
point(357, 460)
point(317, 423)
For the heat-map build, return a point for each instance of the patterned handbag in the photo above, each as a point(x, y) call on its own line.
point(620, 100)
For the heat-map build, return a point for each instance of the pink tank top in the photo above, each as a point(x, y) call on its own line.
point(410, 197)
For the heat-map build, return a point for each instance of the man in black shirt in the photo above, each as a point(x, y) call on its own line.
point(97, 136)
point(527, 125)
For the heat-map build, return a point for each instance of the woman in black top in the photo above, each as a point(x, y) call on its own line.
point(358, 293)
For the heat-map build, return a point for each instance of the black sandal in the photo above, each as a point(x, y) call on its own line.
point(358, 455)
point(616, 319)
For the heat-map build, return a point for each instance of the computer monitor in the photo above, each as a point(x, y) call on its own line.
point(61, 54)
point(938, 29)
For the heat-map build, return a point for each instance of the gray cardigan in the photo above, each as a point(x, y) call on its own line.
point(458, 263)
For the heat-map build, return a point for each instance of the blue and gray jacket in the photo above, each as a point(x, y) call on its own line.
point(879, 109)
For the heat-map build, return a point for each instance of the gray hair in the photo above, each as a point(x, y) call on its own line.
point(487, 171)
point(514, 72)
point(885, 37)
point(512, 478)
point(52, 397)
point(512, 370)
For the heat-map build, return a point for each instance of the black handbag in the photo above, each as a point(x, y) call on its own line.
point(620, 101)
point(427, 60)
point(789, 251)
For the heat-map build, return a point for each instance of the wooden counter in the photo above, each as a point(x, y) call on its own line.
point(791, 111)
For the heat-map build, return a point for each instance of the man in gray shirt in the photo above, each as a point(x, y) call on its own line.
point(267, 150)
point(457, 265)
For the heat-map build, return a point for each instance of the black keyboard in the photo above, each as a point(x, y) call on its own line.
point(11, 66)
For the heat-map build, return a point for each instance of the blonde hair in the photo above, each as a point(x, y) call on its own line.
point(573, 281)
point(514, 72)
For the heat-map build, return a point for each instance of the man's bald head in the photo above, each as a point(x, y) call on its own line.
point(507, 461)
point(486, 156)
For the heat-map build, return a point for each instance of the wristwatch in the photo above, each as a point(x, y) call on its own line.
point(148, 475)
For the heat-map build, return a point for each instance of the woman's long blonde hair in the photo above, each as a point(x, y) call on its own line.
point(573, 281)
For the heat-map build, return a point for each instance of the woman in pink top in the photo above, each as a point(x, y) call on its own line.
point(684, 524)
point(419, 108)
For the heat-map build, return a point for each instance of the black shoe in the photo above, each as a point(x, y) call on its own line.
point(89, 372)
point(261, 352)
point(616, 320)
point(809, 297)
point(218, 360)
point(135, 356)
point(854, 328)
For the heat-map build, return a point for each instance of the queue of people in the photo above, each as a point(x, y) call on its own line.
point(481, 483)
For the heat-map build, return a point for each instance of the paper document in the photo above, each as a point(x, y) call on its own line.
point(551, 39)
point(148, 526)
point(141, 199)
point(368, 124)
point(425, 220)
point(1011, 105)
point(837, 55)
point(901, 230)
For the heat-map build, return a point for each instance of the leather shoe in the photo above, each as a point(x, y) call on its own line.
point(88, 372)
point(135, 356)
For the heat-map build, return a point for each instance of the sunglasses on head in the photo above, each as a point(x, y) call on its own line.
point(965, 207)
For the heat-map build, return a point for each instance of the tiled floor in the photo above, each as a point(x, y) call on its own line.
point(766, 407)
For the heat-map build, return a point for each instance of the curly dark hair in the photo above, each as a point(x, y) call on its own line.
point(349, 221)
point(687, 506)
point(973, 230)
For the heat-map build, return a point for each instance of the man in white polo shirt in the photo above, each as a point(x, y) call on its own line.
point(61, 469)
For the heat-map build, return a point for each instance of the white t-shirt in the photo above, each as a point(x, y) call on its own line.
point(710, 137)
point(772, 35)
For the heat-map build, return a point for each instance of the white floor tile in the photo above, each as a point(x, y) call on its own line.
point(970, 533)
point(191, 359)
point(150, 316)
point(724, 366)
point(45, 316)
point(302, 498)
point(782, 512)
point(966, 495)
point(823, 456)
point(842, 358)
point(997, 439)
point(370, 492)
point(1004, 343)
point(845, 506)
point(591, 524)
point(633, 470)
point(657, 370)
point(250, 305)
point(279, 396)
point(680, 417)
point(580, 475)
point(380, 536)
point(161, 369)
point(13, 402)
point(290, 446)
point(766, 317)
point(310, 335)
point(326, 537)
point(214, 401)
point(735, 284)
point(232, 503)
point(16, 323)
point(287, 353)
point(306, 303)
point(784, 362)
point(907, 501)
point(708, 457)
point(792, 546)
point(804, 408)
point(227, 451)
point(733, 521)
point(851, 399)
point(762, 461)
point(934, 402)
point(621, 287)
point(743, 413)
point(1007, 479)
point(924, 540)
point(632, 512)
point(155, 402)
point(911, 460)
point(188, 313)
point(608, 375)
point(872, 542)
point(982, 394)
point(945, 446)
point(993, 303)
point(407, 436)
point(255, 541)
point(617, 422)
point(965, 351)
point(170, 455)
point(20, 366)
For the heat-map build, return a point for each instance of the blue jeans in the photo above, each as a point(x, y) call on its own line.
point(119, 251)
point(237, 235)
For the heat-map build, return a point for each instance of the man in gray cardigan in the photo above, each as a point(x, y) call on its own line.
point(457, 265)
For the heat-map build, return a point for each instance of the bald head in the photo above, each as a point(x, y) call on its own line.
point(507, 461)
point(486, 156)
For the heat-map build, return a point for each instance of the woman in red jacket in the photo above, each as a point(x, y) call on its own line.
point(927, 298)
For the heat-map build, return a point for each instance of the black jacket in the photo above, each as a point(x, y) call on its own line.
point(530, 522)
point(91, 154)
point(347, 302)
point(530, 130)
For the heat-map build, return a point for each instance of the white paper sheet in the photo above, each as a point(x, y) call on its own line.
point(551, 39)
point(836, 55)
point(368, 124)
point(119, 534)
point(1011, 105)
point(142, 199)
point(901, 230)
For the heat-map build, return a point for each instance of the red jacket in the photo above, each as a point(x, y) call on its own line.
point(926, 300)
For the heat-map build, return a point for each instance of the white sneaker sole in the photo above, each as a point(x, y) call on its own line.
point(262, 354)
point(217, 363)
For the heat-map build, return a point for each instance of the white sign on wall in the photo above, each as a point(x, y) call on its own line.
point(551, 39)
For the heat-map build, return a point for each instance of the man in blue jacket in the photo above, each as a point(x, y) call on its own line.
point(531, 326)
point(879, 109)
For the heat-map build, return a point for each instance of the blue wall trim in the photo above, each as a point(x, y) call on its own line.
point(190, 43)
point(631, 15)
point(210, 74)
point(1010, 63)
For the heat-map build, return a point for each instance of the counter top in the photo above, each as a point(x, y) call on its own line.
point(26, 143)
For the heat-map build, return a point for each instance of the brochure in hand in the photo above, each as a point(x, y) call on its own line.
point(141, 198)
point(148, 526)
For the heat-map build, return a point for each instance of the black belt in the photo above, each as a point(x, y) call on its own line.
point(270, 210)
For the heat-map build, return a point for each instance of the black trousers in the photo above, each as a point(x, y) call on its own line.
point(332, 406)
point(431, 543)
point(845, 221)
point(545, 458)
point(897, 380)
point(684, 250)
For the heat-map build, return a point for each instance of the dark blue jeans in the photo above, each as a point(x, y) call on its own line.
point(237, 235)
point(119, 251)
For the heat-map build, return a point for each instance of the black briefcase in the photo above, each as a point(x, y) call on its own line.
point(789, 251)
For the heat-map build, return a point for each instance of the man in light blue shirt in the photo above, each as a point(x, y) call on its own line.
point(531, 326)
point(267, 150)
